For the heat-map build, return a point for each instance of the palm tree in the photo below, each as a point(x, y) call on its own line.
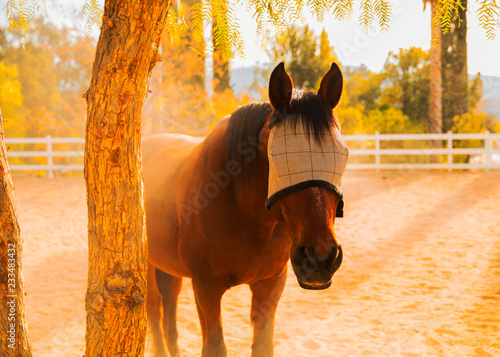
point(435, 97)
point(454, 68)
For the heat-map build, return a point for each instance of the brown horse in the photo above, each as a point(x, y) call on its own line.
point(207, 218)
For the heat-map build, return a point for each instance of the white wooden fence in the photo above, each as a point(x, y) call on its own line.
point(49, 154)
point(367, 147)
point(486, 157)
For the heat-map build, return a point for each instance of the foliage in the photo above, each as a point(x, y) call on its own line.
point(472, 122)
point(92, 12)
point(488, 13)
point(11, 100)
point(475, 91)
point(179, 101)
point(449, 10)
point(174, 113)
point(407, 80)
point(307, 56)
point(355, 120)
point(53, 72)
point(394, 101)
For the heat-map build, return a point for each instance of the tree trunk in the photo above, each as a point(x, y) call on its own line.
point(435, 114)
point(221, 81)
point(127, 51)
point(454, 70)
point(14, 339)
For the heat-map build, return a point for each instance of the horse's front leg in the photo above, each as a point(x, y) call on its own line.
point(265, 297)
point(208, 295)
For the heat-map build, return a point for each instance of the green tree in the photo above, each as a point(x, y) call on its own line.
point(407, 79)
point(471, 122)
point(306, 55)
point(475, 92)
point(55, 72)
point(11, 101)
point(365, 87)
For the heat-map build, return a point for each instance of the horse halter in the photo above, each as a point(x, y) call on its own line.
point(297, 161)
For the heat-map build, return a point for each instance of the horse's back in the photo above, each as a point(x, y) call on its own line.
point(163, 155)
point(151, 145)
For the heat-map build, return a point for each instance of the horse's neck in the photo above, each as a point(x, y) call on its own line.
point(248, 196)
point(251, 194)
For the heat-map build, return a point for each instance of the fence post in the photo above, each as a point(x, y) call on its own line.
point(377, 151)
point(50, 161)
point(488, 146)
point(450, 148)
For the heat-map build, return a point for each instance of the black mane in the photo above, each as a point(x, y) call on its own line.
point(243, 132)
point(245, 124)
point(308, 110)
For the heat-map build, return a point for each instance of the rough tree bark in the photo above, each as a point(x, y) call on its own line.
point(126, 53)
point(436, 111)
point(14, 339)
point(454, 69)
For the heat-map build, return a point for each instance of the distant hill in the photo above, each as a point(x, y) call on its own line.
point(491, 96)
point(243, 80)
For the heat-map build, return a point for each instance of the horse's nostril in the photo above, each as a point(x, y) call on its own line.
point(308, 252)
point(338, 258)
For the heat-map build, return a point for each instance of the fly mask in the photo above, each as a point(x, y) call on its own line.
point(297, 161)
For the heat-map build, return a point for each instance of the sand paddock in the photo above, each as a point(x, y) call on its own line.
point(421, 273)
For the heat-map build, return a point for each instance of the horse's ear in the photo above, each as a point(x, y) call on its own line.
point(280, 87)
point(330, 88)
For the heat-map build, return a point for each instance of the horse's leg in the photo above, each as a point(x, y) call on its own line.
point(208, 295)
point(265, 297)
point(169, 287)
point(154, 313)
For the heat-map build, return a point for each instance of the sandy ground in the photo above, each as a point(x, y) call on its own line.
point(421, 275)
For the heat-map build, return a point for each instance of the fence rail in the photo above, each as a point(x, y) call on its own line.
point(49, 154)
point(369, 148)
point(485, 157)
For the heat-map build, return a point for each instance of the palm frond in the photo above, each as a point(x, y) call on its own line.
point(487, 14)
point(20, 13)
point(367, 14)
point(343, 9)
point(383, 11)
point(176, 24)
point(92, 12)
point(226, 29)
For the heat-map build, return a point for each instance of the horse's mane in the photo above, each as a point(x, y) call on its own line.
point(308, 110)
point(243, 130)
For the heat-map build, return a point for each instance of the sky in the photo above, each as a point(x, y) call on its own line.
point(410, 26)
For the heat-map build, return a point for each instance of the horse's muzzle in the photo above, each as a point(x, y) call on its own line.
point(315, 271)
point(314, 286)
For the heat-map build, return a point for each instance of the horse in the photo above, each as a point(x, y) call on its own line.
point(212, 216)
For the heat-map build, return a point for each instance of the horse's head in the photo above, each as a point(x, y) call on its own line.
point(307, 157)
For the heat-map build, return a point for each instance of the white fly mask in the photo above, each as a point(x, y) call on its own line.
point(297, 161)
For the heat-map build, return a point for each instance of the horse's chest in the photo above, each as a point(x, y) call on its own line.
point(255, 258)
